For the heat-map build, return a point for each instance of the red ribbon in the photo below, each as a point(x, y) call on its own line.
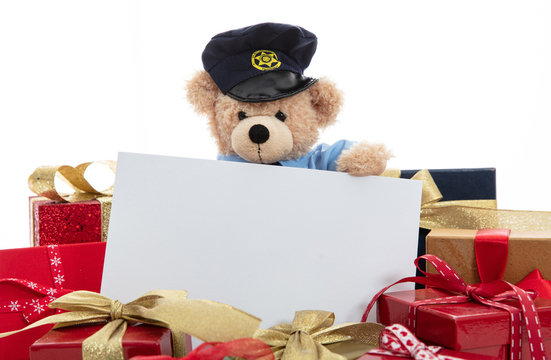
point(250, 349)
point(491, 249)
point(36, 308)
point(397, 340)
point(489, 294)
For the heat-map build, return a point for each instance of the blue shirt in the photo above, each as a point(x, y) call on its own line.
point(323, 157)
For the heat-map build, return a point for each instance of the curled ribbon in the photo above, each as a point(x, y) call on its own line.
point(490, 294)
point(42, 182)
point(470, 214)
point(204, 319)
point(37, 308)
point(397, 340)
point(310, 331)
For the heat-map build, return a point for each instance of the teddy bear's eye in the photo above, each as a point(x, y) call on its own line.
point(281, 116)
point(242, 115)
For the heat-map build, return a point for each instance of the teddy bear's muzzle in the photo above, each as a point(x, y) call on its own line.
point(262, 139)
point(259, 134)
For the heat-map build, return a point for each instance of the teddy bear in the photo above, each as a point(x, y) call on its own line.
point(261, 108)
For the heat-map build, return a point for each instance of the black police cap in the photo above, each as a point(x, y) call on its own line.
point(262, 62)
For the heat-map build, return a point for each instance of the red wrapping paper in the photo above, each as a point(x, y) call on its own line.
point(56, 223)
point(82, 270)
point(66, 343)
point(469, 327)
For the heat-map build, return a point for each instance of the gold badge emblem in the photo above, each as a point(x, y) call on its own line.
point(265, 60)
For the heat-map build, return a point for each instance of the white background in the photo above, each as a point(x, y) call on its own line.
point(444, 84)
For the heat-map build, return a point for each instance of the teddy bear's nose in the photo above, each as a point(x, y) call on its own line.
point(259, 134)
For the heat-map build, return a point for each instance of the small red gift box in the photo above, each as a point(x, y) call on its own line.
point(55, 222)
point(66, 343)
point(30, 278)
point(469, 327)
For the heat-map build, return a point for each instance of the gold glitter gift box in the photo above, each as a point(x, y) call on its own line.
point(80, 216)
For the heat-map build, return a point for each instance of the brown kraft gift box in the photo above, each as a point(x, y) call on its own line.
point(527, 251)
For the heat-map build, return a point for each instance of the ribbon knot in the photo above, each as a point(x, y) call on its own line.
point(470, 289)
point(306, 338)
point(116, 309)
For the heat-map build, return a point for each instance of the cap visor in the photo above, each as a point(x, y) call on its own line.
point(270, 86)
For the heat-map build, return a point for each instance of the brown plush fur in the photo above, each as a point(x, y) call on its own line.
point(307, 112)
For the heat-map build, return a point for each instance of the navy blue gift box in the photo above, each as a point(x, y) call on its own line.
point(457, 184)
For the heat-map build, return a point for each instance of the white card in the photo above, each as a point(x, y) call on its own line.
point(269, 240)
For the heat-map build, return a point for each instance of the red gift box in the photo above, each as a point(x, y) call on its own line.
point(469, 327)
point(30, 278)
point(55, 222)
point(66, 343)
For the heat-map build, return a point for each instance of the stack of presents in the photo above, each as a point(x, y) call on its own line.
point(481, 290)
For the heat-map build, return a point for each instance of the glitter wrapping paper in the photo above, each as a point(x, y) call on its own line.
point(527, 251)
point(83, 266)
point(66, 343)
point(55, 222)
point(468, 327)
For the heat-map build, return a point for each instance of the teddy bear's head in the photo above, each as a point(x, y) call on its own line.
point(259, 104)
point(268, 131)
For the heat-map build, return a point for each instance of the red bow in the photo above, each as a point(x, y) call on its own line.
point(36, 308)
point(397, 340)
point(250, 349)
point(489, 294)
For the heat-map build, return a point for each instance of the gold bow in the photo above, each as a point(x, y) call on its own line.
point(311, 331)
point(42, 183)
point(204, 319)
point(470, 214)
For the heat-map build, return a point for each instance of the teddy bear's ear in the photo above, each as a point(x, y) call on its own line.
point(202, 93)
point(326, 100)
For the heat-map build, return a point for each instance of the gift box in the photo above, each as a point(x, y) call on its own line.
point(526, 252)
point(30, 278)
point(469, 327)
point(472, 187)
point(56, 222)
point(66, 343)
point(59, 218)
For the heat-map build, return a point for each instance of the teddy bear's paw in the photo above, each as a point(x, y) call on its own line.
point(364, 159)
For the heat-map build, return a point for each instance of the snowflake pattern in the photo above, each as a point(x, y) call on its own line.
point(55, 261)
point(14, 306)
point(58, 279)
point(51, 291)
point(32, 285)
point(39, 308)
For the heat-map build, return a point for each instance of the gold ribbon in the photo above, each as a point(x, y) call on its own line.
point(42, 183)
point(470, 214)
point(311, 331)
point(207, 320)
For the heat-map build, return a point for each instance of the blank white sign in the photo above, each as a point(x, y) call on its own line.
point(269, 240)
